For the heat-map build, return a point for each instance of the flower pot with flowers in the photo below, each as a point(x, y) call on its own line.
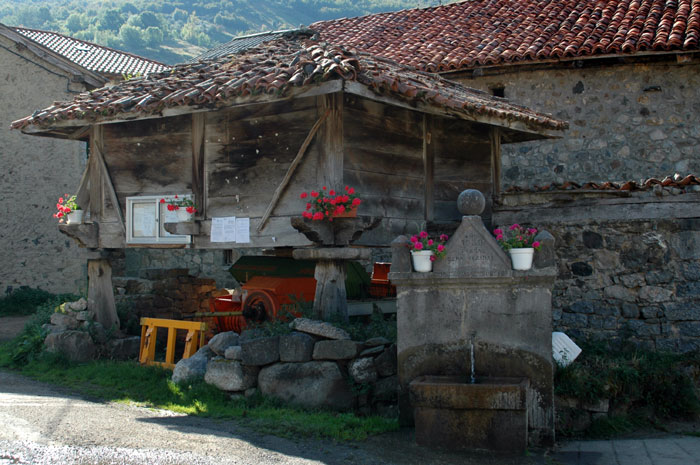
point(182, 207)
point(520, 243)
point(425, 250)
point(328, 204)
point(69, 211)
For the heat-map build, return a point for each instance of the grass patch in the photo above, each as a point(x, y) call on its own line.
point(23, 301)
point(151, 387)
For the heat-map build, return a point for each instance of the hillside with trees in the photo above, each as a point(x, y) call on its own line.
point(172, 31)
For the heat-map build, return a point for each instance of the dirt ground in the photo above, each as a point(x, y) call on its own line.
point(10, 326)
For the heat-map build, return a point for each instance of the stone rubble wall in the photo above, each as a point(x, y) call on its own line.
point(35, 172)
point(315, 366)
point(627, 121)
point(622, 278)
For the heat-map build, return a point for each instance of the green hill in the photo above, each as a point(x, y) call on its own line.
point(173, 31)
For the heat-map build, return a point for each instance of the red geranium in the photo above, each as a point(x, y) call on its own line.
point(329, 203)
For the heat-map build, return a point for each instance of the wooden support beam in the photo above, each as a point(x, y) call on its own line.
point(331, 300)
point(495, 137)
point(82, 197)
point(198, 173)
point(106, 179)
point(101, 293)
point(95, 176)
point(330, 163)
point(428, 169)
point(290, 172)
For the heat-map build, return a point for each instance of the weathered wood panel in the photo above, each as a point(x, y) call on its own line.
point(248, 153)
point(150, 157)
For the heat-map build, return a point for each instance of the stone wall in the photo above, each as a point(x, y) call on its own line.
point(628, 267)
point(628, 121)
point(35, 172)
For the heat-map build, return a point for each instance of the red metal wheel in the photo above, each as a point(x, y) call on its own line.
point(260, 306)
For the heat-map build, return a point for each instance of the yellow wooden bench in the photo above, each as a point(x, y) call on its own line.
point(194, 339)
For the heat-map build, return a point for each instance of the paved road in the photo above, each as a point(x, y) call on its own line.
point(42, 425)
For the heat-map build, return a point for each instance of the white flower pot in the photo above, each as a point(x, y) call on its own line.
point(522, 258)
point(182, 215)
point(74, 217)
point(421, 260)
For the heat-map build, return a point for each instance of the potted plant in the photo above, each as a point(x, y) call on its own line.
point(328, 204)
point(183, 207)
point(425, 250)
point(520, 243)
point(69, 211)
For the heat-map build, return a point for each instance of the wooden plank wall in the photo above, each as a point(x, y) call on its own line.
point(462, 161)
point(150, 157)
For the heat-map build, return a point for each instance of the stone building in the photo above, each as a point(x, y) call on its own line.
point(40, 67)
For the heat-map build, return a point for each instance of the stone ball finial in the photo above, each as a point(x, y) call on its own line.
point(471, 202)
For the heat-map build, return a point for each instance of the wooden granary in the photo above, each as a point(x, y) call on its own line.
point(244, 135)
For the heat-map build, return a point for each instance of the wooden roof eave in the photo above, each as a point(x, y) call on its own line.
point(514, 130)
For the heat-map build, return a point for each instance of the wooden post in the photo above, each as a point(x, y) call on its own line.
point(330, 163)
point(198, 163)
point(101, 293)
point(95, 173)
point(331, 300)
point(496, 165)
point(428, 168)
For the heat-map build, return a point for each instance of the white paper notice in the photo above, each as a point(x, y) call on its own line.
point(223, 229)
point(242, 230)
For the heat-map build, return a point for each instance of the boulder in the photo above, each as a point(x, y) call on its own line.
point(230, 375)
point(372, 351)
point(377, 341)
point(362, 370)
point(386, 363)
point(261, 351)
point(339, 349)
point(250, 334)
point(223, 341)
point(76, 346)
point(193, 368)
point(233, 353)
point(309, 384)
point(77, 306)
point(82, 316)
point(64, 321)
point(124, 349)
point(296, 347)
point(318, 328)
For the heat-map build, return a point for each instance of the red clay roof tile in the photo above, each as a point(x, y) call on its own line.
point(274, 68)
point(495, 32)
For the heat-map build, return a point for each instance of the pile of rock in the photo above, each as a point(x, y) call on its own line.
point(74, 333)
point(317, 365)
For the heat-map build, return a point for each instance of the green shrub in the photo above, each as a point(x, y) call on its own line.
point(23, 301)
point(644, 383)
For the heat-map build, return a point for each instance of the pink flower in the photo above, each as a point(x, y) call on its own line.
point(307, 214)
point(499, 237)
point(347, 188)
point(324, 188)
point(308, 206)
point(536, 244)
point(59, 215)
point(497, 232)
point(433, 258)
point(356, 202)
point(440, 248)
point(318, 216)
point(304, 195)
point(532, 231)
point(351, 190)
point(430, 242)
point(444, 237)
point(418, 245)
point(423, 234)
point(414, 239)
point(331, 192)
point(60, 200)
point(514, 227)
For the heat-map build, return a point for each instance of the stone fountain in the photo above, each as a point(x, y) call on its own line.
point(473, 303)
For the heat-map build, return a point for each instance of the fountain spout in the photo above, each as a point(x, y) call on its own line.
point(472, 378)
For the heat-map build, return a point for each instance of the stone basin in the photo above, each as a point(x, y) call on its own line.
point(452, 413)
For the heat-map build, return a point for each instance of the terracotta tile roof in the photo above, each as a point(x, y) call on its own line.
point(676, 181)
point(488, 32)
point(277, 68)
point(93, 57)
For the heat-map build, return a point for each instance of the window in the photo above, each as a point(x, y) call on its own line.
point(145, 218)
point(498, 91)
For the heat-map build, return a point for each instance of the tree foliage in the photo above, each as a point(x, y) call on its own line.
point(154, 28)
